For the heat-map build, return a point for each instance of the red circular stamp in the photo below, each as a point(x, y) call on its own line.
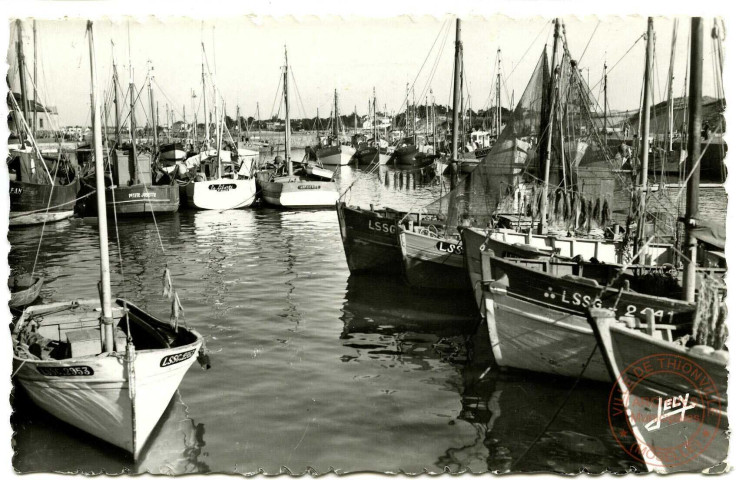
point(665, 409)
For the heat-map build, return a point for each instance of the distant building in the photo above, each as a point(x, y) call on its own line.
point(47, 117)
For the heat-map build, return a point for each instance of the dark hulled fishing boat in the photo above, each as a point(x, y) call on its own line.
point(35, 195)
point(42, 188)
point(370, 239)
point(135, 188)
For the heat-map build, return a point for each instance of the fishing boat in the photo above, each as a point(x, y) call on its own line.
point(24, 289)
point(42, 188)
point(371, 239)
point(699, 379)
point(432, 257)
point(374, 150)
point(537, 321)
point(109, 369)
point(329, 150)
point(216, 180)
point(673, 389)
point(36, 195)
point(292, 185)
point(536, 309)
point(173, 151)
point(137, 185)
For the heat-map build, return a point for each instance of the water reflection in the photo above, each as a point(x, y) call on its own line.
point(43, 443)
point(511, 416)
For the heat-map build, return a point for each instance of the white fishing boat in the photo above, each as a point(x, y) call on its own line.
point(217, 185)
point(219, 182)
point(296, 184)
point(330, 151)
point(107, 370)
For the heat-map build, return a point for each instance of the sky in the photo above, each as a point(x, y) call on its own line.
point(352, 55)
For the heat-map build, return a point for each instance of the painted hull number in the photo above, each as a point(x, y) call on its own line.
point(169, 360)
point(447, 247)
point(80, 371)
point(381, 227)
point(223, 187)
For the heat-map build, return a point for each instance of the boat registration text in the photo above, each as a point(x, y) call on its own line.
point(80, 371)
point(169, 360)
point(223, 187)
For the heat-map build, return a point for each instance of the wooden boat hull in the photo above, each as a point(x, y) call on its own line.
point(141, 199)
point(24, 289)
point(335, 155)
point(528, 336)
point(30, 205)
point(405, 156)
point(300, 194)
point(92, 392)
point(371, 155)
point(708, 438)
point(565, 291)
point(221, 194)
point(370, 240)
point(430, 262)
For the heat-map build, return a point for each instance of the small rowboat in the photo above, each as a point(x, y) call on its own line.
point(24, 289)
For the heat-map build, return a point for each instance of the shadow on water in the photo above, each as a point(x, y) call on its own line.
point(42, 443)
point(390, 323)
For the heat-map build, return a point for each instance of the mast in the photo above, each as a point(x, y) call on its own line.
point(116, 100)
point(414, 115)
point(407, 109)
point(154, 110)
point(131, 93)
point(375, 119)
point(605, 103)
point(336, 126)
point(22, 74)
point(646, 112)
point(695, 111)
point(204, 100)
point(434, 124)
point(258, 115)
point(456, 94)
point(670, 87)
point(194, 117)
point(547, 160)
point(237, 118)
point(498, 94)
point(287, 131)
point(105, 295)
point(35, 80)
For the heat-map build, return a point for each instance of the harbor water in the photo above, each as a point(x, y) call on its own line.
point(312, 369)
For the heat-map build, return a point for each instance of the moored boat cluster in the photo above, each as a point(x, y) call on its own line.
point(545, 223)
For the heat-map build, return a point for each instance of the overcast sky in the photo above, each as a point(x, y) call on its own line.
point(351, 55)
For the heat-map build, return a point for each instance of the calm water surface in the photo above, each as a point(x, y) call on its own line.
point(312, 368)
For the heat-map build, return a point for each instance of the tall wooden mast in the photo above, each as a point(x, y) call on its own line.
point(646, 114)
point(287, 131)
point(456, 94)
point(22, 75)
point(548, 155)
point(35, 79)
point(695, 109)
point(105, 291)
